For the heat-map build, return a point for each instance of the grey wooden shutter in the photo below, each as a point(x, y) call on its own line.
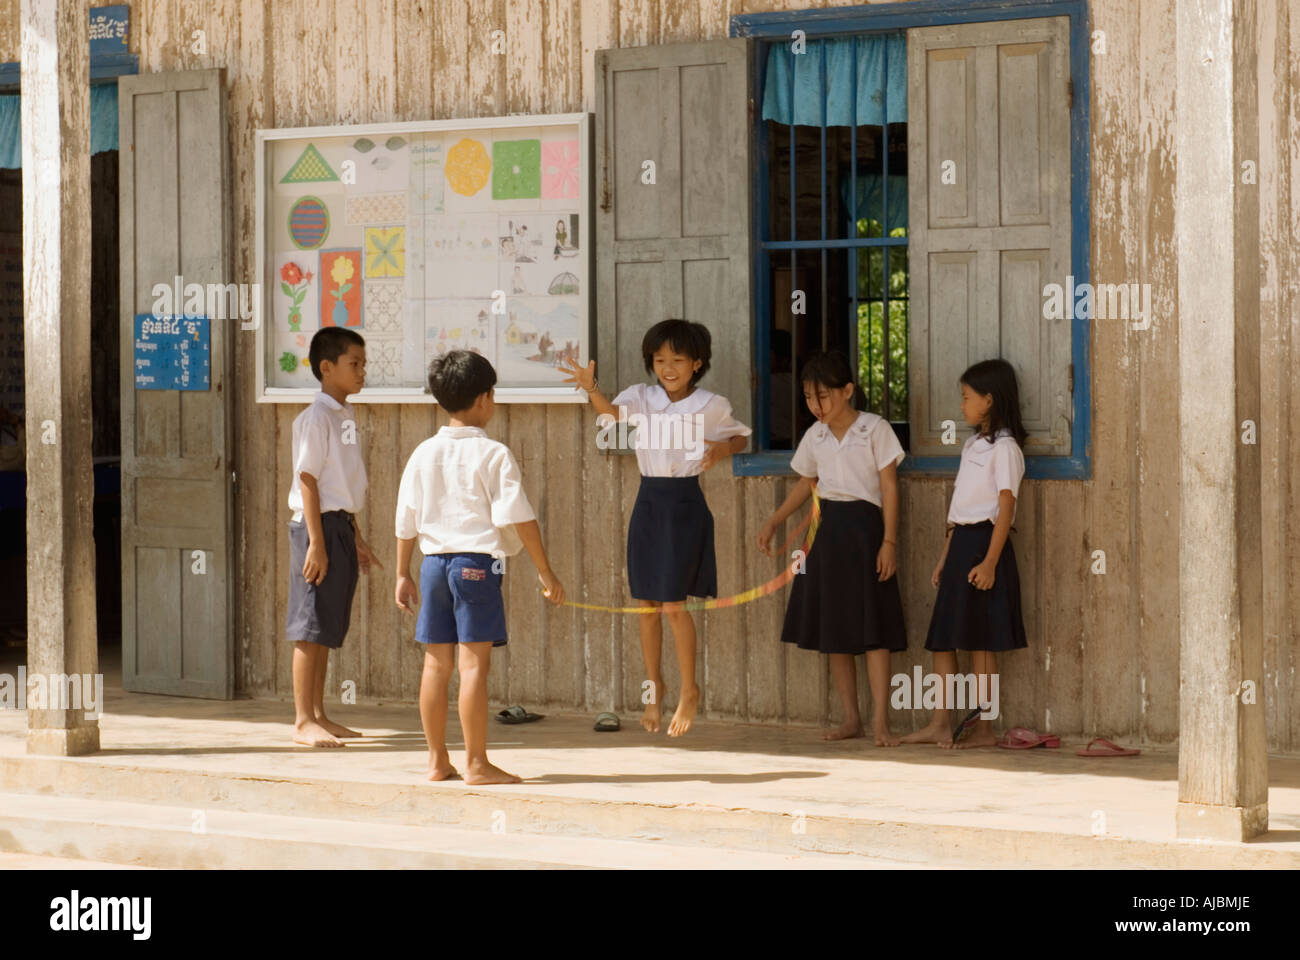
point(993, 99)
point(679, 247)
point(174, 188)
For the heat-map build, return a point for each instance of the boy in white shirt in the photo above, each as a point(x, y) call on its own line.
point(325, 546)
point(462, 497)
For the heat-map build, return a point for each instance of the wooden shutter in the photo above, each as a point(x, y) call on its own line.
point(993, 99)
point(679, 247)
point(174, 188)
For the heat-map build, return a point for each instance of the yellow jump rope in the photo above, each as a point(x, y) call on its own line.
point(717, 603)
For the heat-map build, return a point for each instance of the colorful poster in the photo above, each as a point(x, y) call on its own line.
point(309, 223)
point(560, 172)
point(537, 336)
point(380, 164)
point(340, 302)
point(516, 169)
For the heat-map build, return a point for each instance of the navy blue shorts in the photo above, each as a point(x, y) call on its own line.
point(460, 600)
point(319, 613)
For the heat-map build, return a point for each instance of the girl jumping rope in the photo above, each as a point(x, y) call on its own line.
point(978, 606)
point(843, 604)
point(682, 430)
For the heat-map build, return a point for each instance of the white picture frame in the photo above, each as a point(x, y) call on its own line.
point(517, 305)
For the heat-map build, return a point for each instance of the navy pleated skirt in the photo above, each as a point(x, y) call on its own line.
point(670, 541)
point(838, 604)
point(967, 618)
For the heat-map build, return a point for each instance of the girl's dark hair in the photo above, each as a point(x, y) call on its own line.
point(330, 343)
point(998, 379)
point(683, 336)
point(458, 378)
point(831, 369)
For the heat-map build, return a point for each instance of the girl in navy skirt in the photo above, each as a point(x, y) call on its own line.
point(844, 604)
point(978, 607)
point(681, 431)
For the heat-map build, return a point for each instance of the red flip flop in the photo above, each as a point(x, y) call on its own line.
point(1107, 749)
point(1021, 738)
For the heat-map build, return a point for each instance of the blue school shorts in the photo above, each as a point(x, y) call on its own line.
point(460, 600)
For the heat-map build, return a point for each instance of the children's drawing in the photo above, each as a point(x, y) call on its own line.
point(376, 208)
point(516, 169)
point(426, 176)
point(564, 283)
point(385, 251)
point(310, 167)
point(458, 256)
point(379, 167)
point(288, 362)
point(566, 237)
point(560, 170)
point(383, 359)
point(309, 223)
point(297, 294)
point(383, 306)
point(538, 336)
point(468, 165)
point(341, 273)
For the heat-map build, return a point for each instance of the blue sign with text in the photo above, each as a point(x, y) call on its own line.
point(171, 353)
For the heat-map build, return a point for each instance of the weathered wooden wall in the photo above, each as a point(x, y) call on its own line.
point(1103, 650)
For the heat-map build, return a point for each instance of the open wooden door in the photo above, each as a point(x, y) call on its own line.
point(177, 512)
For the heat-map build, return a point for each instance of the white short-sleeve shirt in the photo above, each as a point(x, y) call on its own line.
point(848, 469)
point(670, 437)
point(461, 492)
point(326, 445)
point(986, 469)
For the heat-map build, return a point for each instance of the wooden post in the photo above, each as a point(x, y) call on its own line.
point(61, 630)
point(1222, 760)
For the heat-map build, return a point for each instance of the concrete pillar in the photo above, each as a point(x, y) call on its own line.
point(61, 629)
point(1222, 759)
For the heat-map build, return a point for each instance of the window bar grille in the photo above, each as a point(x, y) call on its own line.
point(884, 233)
point(853, 213)
point(794, 270)
point(822, 82)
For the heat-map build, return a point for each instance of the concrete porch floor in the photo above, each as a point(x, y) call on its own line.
point(768, 789)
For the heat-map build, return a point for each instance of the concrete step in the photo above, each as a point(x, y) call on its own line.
point(165, 836)
point(545, 811)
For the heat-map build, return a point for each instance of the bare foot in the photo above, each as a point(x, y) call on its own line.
point(336, 728)
point(977, 740)
point(684, 716)
point(442, 770)
point(933, 732)
point(651, 717)
point(845, 731)
point(488, 773)
point(312, 734)
point(884, 736)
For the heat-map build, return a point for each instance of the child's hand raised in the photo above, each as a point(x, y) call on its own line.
point(583, 377)
point(408, 596)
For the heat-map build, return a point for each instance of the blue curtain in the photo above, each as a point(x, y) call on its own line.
point(103, 124)
point(870, 199)
point(878, 74)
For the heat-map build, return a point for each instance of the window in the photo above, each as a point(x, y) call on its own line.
point(989, 146)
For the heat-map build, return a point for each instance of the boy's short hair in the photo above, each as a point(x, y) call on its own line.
point(330, 343)
point(683, 336)
point(459, 377)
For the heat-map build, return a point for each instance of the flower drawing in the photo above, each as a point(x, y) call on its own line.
point(294, 284)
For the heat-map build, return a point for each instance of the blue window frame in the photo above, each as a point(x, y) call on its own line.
point(825, 23)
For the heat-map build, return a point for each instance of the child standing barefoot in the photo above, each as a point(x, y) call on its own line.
point(978, 607)
point(462, 496)
point(682, 431)
point(842, 604)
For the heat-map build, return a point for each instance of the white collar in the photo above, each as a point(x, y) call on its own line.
point(330, 401)
point(459, 433)
point(858, 432)
point(657, 399)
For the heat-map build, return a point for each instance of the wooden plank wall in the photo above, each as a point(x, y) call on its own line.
point(1103, 655)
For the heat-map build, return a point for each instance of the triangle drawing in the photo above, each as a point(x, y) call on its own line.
point(310, 167)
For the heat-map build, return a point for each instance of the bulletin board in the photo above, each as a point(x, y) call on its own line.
point(426, 237)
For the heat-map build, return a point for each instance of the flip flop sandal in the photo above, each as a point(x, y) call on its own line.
point(607, 723)
point(963, 726)
point(1021, 738)
point(517, 714)
point(1107, 749)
